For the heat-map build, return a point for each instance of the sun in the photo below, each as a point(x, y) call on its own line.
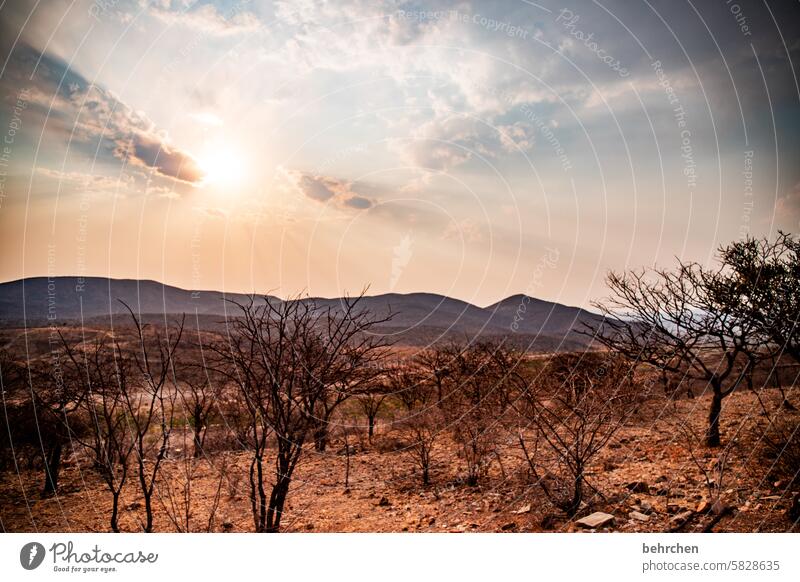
point(222, 165)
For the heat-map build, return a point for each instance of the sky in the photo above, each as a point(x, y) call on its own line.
point(473, 149)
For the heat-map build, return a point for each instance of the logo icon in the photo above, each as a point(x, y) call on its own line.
point(31, 555)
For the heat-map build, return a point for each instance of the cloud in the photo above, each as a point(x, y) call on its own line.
point(358, 202)
point(87, 182)
point(206, 18)
point(328, 189)
point(442, 144)
point(92, 119)
point(466, 230)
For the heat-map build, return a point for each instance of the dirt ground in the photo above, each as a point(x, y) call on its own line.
point(645, 468)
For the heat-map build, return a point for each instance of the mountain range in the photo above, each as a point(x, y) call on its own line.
point(418, 318)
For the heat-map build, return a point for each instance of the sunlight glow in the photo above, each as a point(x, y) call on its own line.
point(223, 165)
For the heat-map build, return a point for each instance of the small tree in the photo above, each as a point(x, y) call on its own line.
point(474, 405)
point(105, 369)
point(199, 387)
point(575, 406)
point(151, 402)
point(675, 322)
point(54, 400)
point(285, 357)
point(371, 401)
point(425, 426)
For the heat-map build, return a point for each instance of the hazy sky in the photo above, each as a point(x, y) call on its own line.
point(474, 149)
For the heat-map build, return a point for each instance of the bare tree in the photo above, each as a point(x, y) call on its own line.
point(285, 357)
point(53, 401)
point(675, 322)
point(151, 402)
point(425, 426)
point(371, 401)
point(105, 369)
point(474, 405)
point(574, 407)
point(199, 389)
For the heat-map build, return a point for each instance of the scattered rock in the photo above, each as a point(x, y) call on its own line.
point(309, 526)
point(661, 479)
point(595, 520)
point(227, 526)
point(681, 519)
point(703, 506)
point(384, 502)
point(638, 487)
point(646, 507)
point(638, 516)
point(523, 509)
point(133, 506)
point(508, 526)
point(675, 508)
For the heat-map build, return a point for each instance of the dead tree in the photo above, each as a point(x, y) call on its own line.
point(105, 369)
point(474, 405)
point(371, 401)
point(573, 407)
point(199, 389)
point(52, 400)
point(284, 357)
point(150, 402)
point(673, 321)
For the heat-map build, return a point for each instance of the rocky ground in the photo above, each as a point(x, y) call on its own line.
point(645, 479)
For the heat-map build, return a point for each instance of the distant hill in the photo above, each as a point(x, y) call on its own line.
point(418, 318)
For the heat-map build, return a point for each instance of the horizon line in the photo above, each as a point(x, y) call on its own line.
point(299, 295)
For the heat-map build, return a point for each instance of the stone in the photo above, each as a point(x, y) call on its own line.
point(508, 526)
point(638, 516)
point(675, 508)
point(638, 487)
point(703, 506)
point(227, 526)
point(595, 520)
point(523, 509)
point(384, 502)
point(646, 506)
point(681, 518)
